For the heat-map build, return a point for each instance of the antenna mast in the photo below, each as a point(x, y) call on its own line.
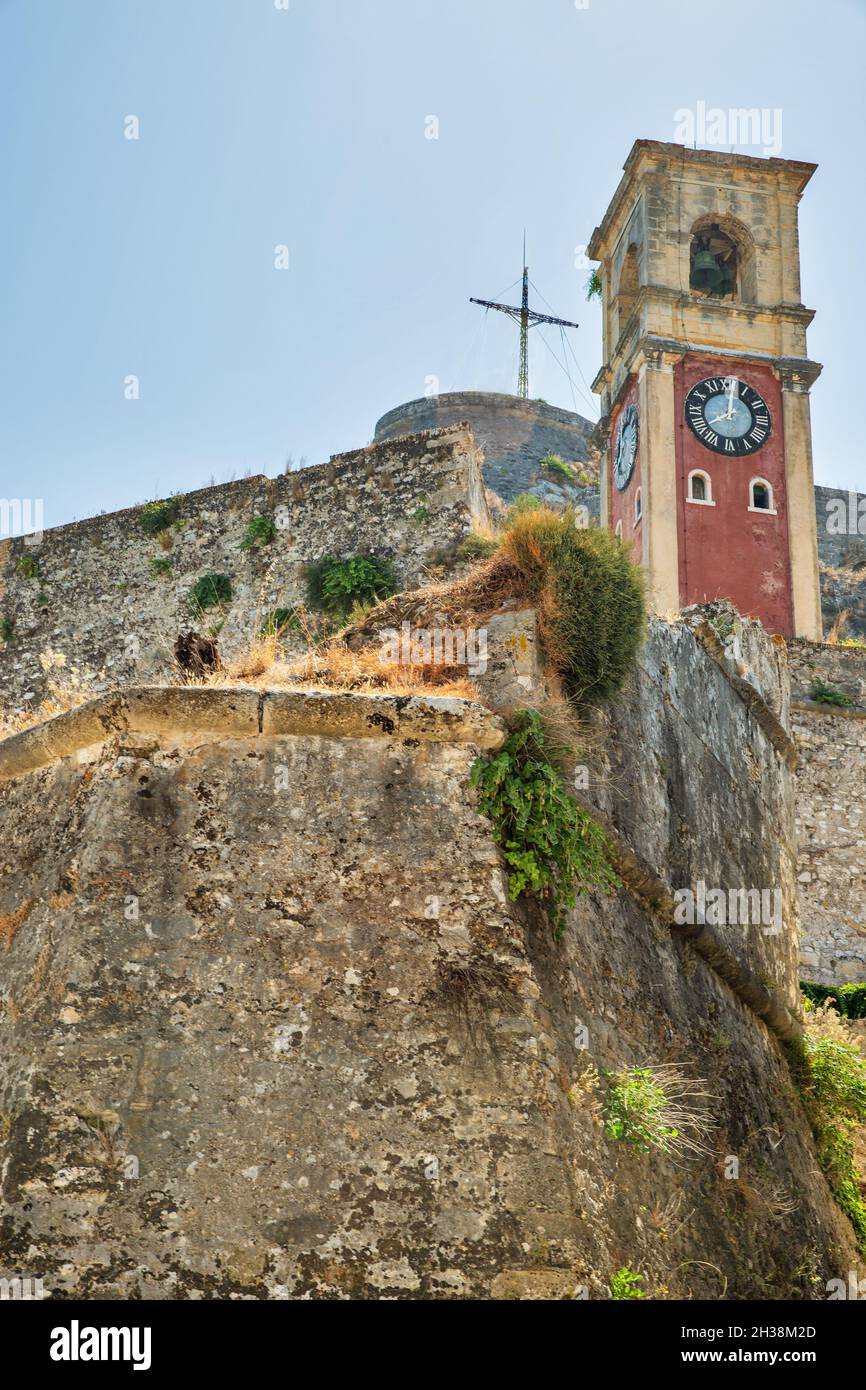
point(526, 318)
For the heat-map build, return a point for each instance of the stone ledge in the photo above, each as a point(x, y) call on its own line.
point(245, 712)
point(818, 707)
point(652, 892)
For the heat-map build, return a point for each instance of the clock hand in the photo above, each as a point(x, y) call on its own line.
point(731, 389)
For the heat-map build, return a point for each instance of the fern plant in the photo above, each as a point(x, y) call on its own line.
point(553, 849)
point(337, 586)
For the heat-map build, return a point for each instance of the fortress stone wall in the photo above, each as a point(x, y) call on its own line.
point(271, 1028)
point(98, 602)
point(841, 525)
point(831, 812)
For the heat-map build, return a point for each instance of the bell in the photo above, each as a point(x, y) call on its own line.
point(706, 274)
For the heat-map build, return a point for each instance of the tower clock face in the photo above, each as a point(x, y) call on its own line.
point(626, 447)
point(728, 416)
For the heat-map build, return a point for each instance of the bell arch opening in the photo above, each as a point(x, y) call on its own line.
point(722, 259)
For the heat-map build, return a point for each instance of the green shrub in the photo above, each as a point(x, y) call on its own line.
point(593, 284)
point(260, 531)
point(209, 591)
point(825, 694)
point(161, 564)
point(847, 1000)
point(553, 849)
point(336, 586)
point(654, 1108)
point(624, 1284)
point(475, 547)
point(28, 567)
point(837, 1078)
point(832, 1077)
point(554, 464)
point(589, 595)
point(159, 515)
point(421, 515)
point(7, 629)
point(634, 1111)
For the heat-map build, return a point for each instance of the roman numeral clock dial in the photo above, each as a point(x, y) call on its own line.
point(728, 416)
point(625, 448)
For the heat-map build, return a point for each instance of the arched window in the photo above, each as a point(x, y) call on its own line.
point(617, 530)
point(700, 489)
point(722, 258)
point(638, 507)
point(761, 496)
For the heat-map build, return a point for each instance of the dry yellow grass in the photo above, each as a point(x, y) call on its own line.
point(333, 666)
point(486, 587)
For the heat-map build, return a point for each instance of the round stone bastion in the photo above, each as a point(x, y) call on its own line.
point(514, 435)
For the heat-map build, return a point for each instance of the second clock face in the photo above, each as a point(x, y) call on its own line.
point(626, 447)
point(728, 416)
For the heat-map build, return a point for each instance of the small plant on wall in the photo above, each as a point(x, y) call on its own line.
point(260, 532)
point(209, 591)
point(655, 1108)
point(158, 516)
point(553, 849)
point(28, 567)
point(824, 694)
point(338, 586)
point(552, 463)
point(626, 1284)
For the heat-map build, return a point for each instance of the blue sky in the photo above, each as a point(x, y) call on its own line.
point(305, 127)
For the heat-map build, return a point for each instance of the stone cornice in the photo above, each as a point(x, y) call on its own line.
point(243, 712)
point(797, 373)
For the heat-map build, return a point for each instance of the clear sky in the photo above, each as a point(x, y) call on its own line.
point(306, 127)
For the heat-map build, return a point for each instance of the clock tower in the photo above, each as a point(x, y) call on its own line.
point(706, 380)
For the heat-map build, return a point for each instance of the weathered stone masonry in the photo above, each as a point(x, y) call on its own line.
point(271, 1027)
point(111, 616)
point(831, 813)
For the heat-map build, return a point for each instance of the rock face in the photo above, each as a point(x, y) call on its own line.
point(831, 813)
point(514, 435)
point(272, 1028)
